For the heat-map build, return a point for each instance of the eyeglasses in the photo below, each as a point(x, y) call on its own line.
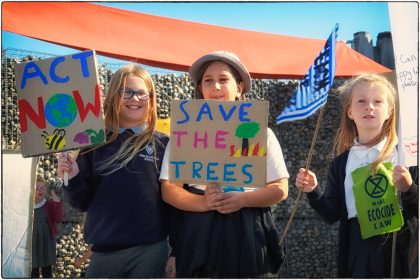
point(129, 93)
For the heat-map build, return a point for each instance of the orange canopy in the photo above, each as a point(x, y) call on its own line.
point(171, 43)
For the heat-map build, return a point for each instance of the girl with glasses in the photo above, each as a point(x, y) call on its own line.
point(117, 183)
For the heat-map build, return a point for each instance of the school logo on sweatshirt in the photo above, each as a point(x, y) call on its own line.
point(149, 149)
point(148, 155)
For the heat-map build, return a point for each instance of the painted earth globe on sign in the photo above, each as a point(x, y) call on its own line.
point(61, 110)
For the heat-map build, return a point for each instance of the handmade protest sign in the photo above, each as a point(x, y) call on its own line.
point(59, 102)
point(376, 201)
point(404, 20)
point(219, 141)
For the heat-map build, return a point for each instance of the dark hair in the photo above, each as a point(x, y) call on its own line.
point(203, 68)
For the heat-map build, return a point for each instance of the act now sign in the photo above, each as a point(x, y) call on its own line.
point(219, 141)
point(59, 102)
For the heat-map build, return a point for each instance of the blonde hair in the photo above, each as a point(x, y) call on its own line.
point(40, 179)
point(347, 131)
point(112, 108)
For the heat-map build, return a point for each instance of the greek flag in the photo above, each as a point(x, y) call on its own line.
point(312, 92)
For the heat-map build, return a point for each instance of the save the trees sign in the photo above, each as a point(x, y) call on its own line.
point(219, 141)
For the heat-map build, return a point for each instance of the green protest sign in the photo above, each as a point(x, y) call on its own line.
point(376, 201)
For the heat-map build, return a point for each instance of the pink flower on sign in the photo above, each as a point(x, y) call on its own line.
point(81, 138)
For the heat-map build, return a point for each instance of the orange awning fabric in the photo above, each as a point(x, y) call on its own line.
point(171, 43)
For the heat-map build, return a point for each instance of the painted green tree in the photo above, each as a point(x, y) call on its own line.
point(246, 131)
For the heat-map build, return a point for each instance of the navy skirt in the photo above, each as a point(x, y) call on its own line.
point(371, 257)
point(243, 244)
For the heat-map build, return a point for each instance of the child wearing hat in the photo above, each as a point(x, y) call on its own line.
point(226, 234)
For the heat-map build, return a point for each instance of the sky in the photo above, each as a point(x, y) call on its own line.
point(303, 19)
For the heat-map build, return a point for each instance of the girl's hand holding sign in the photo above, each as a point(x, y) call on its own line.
point(67, 164)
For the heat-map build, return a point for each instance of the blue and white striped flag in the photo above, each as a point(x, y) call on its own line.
point(312, 92)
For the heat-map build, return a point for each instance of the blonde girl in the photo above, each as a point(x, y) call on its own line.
point(117, 183)
point(363, 182)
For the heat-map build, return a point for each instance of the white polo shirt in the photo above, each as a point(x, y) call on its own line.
point(360, 156)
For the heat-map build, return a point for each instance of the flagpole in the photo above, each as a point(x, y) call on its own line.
point(394, 244)
point(308, 163)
